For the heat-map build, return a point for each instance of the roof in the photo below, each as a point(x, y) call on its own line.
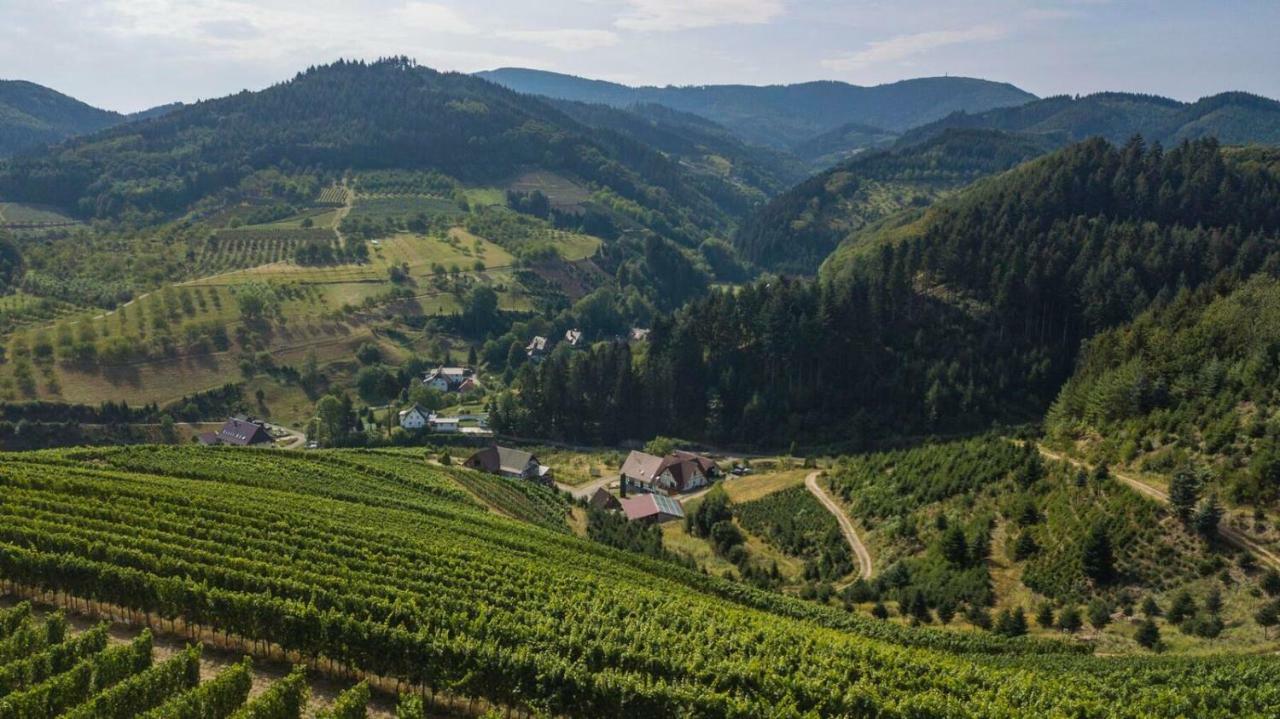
point(537, 344)
point(642, 465)
point(645, 467)
point(603, 499)
point(452, 375)
point(243, 431)
point(651, 505)
point(502, 459)
point(638, 333)
point(573, 337)
point(415, 408)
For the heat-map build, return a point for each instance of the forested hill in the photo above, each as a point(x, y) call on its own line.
point(696, 142)
point(800, 228)
point(32, 115)
point(1193, 381)
point(784, 115)
point(973, 313)
point(1234, 118)
point(353, 115)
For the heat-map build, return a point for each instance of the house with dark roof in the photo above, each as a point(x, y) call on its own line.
point(675, 473)
point(415, 417)
point(240, 431)
point(510, 462)
point(604, 499)
point(651, 508)
point(537, 348)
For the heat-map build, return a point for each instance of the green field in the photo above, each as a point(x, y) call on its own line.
point(386, 565)
point(14, 213)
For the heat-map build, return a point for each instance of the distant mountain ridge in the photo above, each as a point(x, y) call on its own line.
point(1232, 117)
point(782, 116)
point(33, 115)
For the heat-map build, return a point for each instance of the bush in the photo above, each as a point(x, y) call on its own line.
point(1148, 635)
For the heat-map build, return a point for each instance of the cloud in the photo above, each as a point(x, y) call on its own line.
point(435, 17)
point(658, 15)
point(568, 39)
point(902, 47)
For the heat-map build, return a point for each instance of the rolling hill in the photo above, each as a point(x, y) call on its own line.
point(32, 115)
point(352, 115)
point(798, 230)
point(411, 582)
point(1234, 118)
point(782, 116)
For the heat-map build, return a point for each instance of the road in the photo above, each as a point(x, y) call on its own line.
point(846, 525)
point(1230, 534)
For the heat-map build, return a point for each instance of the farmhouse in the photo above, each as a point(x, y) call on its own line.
point(651, 508)
point(239, 431)
point(573, 338)
point(537, 348)
point(415, 417)
point(604, 499)
point(448, 379)
point(509, 462)
point(677, 472)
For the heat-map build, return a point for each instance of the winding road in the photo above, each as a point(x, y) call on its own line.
point(846, 525)
point(1230, 534)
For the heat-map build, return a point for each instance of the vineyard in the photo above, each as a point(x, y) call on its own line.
point(46, 671)
point(384, 565)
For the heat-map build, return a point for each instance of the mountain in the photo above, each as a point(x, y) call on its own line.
point(32, 115)
point(1232, 117)
point(697, 143)
point(800, 228)
point(781, 116)
point(353, 115)
point(838, 144)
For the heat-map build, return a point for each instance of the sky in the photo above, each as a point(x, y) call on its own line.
point(129, 55)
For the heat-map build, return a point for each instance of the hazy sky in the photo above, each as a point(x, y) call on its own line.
point(132, 54)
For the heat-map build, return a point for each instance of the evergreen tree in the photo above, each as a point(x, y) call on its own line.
point(1097, 558)
point(1207, 517)
point(1069, 620)
point(955, 548)
point(1044, 616)
point(1148, 635)
point(1184, 492)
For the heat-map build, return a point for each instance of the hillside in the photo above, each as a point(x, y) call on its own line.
point(798, 230)
point(352, 115)
point(971, 311)
point(696, 143)
point(32, 115)
point(1234, 118)
point(1189, 384)
point(986, 525)
point(782, 116)
point(403, 578)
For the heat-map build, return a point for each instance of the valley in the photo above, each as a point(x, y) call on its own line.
point(518, 393)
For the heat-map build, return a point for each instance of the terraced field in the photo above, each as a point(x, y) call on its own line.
point(365, 562)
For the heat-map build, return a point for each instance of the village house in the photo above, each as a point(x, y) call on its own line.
point(651, 508)
point(449, 379)
point(444, 425)
point(510, 462)
point(675, 473)
point(573, 338)
point(638, 334)
point(605, 500)
point(537, 349)
point(415, 417)
point(239, 431)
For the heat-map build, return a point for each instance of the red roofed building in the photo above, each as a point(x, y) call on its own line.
point(675, 473)
point(651, 508)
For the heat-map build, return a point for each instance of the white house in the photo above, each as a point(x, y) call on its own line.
point(447, 379)
point(414, 417)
